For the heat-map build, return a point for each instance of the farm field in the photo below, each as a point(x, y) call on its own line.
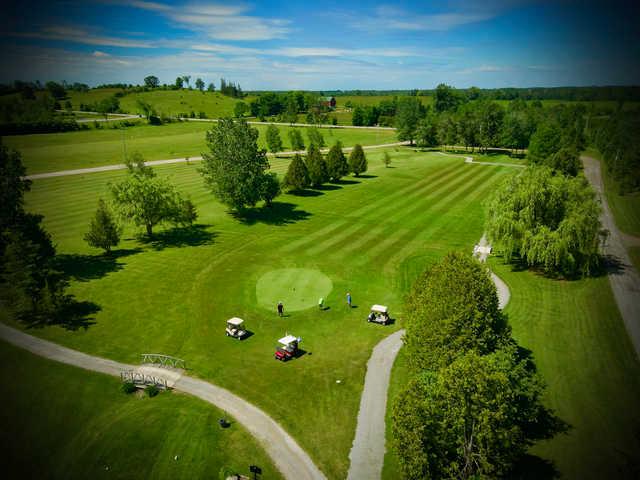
point(370, 236)
point(584, 355)
point(77, 424)
point(106, 146)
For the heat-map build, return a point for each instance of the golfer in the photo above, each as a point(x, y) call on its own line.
point(321, 303)
point(280, 309)
point(349, 299)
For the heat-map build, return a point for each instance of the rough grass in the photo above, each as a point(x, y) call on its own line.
point(107, 146)
point(173, 294)
point(63, 422)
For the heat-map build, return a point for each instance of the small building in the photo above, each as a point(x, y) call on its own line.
point(329, 102)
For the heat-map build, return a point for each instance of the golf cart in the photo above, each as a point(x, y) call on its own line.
point(379, 314)
point(235, 328)
point(287, 348)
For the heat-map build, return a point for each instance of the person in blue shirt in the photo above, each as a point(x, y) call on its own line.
point(349, 299)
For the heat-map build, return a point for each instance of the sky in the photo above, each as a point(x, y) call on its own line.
point(312, 45)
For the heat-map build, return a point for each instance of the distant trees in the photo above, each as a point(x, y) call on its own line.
point(230, 89)
point(240, 109)
point(408, 114)
point(211, 88)
point(296, 140)
point(234, 169)
point(547, 220)
point(179, 82)
point(145, 107)
point(337, 166)
point(297, 177)
point(103, 231)
point(56, 90)
point(147, 200)
point(446, 98)
point(186, 79)
point(472, 406)
point(274, 142)
point(315, 137)
point(151, 81)
point(200, 84)
point(426, 131)
point(108, 105)
point(316, 166)
point(357, 160)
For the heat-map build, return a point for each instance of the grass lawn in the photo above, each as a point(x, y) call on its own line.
point(370, 235)
point(63, 422)
point(105, 146)
point(399, 379)
point(583, 353)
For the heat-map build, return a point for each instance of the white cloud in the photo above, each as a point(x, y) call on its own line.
point(79, 35)
point(99, 54)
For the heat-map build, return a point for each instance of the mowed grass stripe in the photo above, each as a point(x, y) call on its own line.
point(310, 238)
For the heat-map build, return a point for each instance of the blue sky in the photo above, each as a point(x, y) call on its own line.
point(325, 45)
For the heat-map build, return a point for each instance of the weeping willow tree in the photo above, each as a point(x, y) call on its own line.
point(549, 221)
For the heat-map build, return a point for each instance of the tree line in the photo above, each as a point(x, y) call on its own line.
point(473, 404)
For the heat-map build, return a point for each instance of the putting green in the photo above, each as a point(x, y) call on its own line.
point(296, 288)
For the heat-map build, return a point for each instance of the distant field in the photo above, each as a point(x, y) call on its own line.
point(106, 146)
point(63, 422)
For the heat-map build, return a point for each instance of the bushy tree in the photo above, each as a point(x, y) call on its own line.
point(274, 142)
point(548, 220)
point(151, 81)
point(408, 114)
point(317, 166)
point(357, 160)
point(473, 418)
point(452, 308)
point(446, 98)
point(103, 231)
point(235, 166)
point(269, 188)
point(426, 131)
point(200, 84)
point(145, 199)
point(386, 159)
point(297, 177)
point(544, 142)
point(337, 166)
point(490, 120)
point(179, 82)
point(240, 109)
point(315, 137)
point(566, 161)
point(187, 212)
point(296, 140)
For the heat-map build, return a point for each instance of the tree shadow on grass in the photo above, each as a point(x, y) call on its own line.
point(83, 268)
point(366, 176)
point(191, 236)
point(305, 193)
point(344, 182)
point(278, 213)
point(327, 188)
point(71, 314)
point(534, 468)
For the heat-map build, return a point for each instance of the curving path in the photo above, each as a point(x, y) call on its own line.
point(286, 454)
point(468, 159)
point(122, 166)
point(625, 281)
point(368, 449)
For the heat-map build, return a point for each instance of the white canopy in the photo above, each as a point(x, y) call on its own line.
point(380, 309)
point(287, 340)
point(235, 321)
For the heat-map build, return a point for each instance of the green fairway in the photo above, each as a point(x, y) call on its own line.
point(107, 146)
point(370, 236)
point(61, 422)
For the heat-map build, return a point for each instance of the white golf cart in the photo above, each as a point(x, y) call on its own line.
point(379, 314)
point(235, 328)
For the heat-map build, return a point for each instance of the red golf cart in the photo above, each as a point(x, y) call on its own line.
point(287, 348)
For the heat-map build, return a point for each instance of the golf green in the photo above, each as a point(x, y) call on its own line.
point(296, 288)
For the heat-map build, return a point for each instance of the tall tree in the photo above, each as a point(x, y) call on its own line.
point(151, 81)
point(274, 142)
point(234, 168)
point(240, 109)
point(179, 82)
point(186, 79)
point(270, 188)
point(452, 308)
point(408, 114)
point(337, 166)
point(296, 140)
point(357, 160)
point(548, 220)
point(211, 87)
point(144, 198)
point(490, 120)
point(200, 84)
point(317, 166)
point(544, 142)
point(473, 418)
point(297, 177)
point(426, 132)
point(446, 98)
point(315, 137)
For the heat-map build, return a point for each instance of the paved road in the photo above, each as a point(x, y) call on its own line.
point(319, 125)
point(122, 166)
point(468, 159)
point(287, 455)
point(625, 281)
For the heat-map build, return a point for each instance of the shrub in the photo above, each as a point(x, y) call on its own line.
point(128, 387)
point(151, 391)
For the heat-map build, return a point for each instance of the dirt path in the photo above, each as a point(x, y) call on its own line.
point(122, 166)
point(286, 454)
point(625, 281)
point(468, 159)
